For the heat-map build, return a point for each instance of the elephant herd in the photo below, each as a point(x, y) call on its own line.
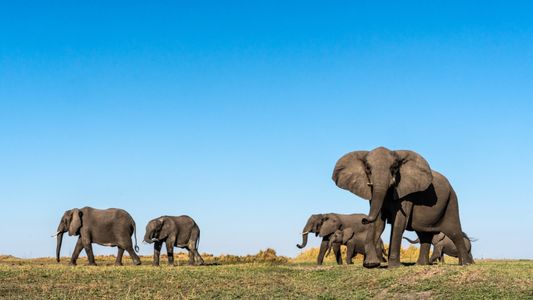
point(402, 188)
point(114, 227)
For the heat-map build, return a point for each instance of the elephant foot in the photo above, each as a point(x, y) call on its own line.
point(118, 264)
point(155, 264)
point(92, 264)
point(393, 264)
point(137, 262)
point(422, 262)
point(371, 261)
point(72, 263)
point(371, 265)
point(466, 262)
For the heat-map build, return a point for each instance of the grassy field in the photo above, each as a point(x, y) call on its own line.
point(233, 277)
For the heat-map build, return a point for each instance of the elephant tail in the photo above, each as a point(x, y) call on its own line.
point(411, 241)
point(135, 236)
point(471, 239)
point(198, 240)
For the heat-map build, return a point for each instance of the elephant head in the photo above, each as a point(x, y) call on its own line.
point(313, 225)
point(330, 224)
point(370, 174)
point(437, 238)
point(159, 229)
point(340, 236)
point(71, 222)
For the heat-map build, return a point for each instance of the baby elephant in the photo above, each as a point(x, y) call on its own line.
point(180, 232)
point(444, 245)
point(353, 244)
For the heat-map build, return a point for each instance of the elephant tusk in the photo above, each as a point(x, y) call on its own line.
point(57, 233)
point(306, 232)
point(370, 184)
point(155, 240)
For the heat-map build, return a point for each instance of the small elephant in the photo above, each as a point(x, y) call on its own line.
point(182, 232)
point(324, 225)
point(442, 244)
point(354, 244)
point(107, 227)
point(313, 225)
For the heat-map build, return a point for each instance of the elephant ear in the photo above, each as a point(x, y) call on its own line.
point(437, 238)
point(75, 222)
point(349, 174)
point(347, 234)
point(415, 173)
point(167, 227)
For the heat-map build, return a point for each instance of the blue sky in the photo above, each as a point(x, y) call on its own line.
point(235, 113)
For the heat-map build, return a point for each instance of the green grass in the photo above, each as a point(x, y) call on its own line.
point(44, 279)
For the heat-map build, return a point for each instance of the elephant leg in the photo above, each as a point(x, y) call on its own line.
point(337, 252)
point(322, 251)
point(199, 259)
point(170, 252)
point(118, 260)
point(157, 253)
point(442, 258)
point(133, 255)
point(191, 257)
point(76, 253)
point(89, 250)
point(458, 240)
point(372, 237)
point(437, 254)
point(425, 245)
point(398, 227)
point(350, 253)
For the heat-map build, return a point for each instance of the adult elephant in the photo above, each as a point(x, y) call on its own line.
point(444, 245)
point(405, 192)
point(107, 227)
point(313, 225)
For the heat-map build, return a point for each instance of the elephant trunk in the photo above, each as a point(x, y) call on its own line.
point(58, 247)
point(378, 197)
point(330, 244)
point(304, 240)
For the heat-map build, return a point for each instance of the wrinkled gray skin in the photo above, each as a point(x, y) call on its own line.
point(354, 242)
point(405, 192)
point(107, 227)
point(313, 225)
point(182, 232)
point(443, 245)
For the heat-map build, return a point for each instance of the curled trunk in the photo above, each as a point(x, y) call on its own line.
point(58, 247)
point(304, 240)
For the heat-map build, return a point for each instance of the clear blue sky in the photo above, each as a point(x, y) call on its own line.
point(236, 113)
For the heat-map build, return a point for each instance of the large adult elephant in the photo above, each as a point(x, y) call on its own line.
point(107, 227)
point(405, 192)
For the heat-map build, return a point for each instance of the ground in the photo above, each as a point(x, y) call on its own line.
point(45, 279)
